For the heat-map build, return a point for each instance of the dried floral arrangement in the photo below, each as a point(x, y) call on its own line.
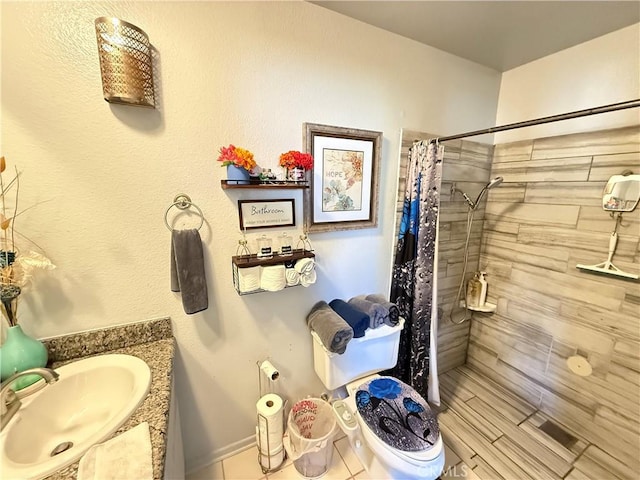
point(16, 267)
point(240, 157)
point(296, 159)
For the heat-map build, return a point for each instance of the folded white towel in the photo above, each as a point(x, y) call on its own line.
point(273, 278)
point(293, 277)
point(249, 279)
point(305, 265)
point(123, 457)
point(307, 279)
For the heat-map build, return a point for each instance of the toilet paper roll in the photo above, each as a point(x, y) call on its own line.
point(270, 409)
point(273, 461)
point(269, 370)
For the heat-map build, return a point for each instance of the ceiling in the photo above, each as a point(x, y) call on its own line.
point(498, 34)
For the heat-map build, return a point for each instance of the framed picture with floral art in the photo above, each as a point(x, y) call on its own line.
point(343, 189)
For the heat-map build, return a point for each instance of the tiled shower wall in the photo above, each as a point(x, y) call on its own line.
point(543, 220)
point(467, 164)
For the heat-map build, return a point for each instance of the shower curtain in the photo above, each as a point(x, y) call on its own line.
point(414, 282)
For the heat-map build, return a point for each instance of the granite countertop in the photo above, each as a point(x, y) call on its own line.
point(150, 341)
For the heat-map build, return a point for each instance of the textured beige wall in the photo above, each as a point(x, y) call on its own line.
point(544, 219)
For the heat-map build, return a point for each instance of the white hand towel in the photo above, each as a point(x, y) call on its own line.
point(304, 266)
point(249, 279)
point(273, 278)
point(124, 457)
point(308, 278)
point(293, 277)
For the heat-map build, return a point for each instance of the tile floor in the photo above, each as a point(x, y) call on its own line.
point(489, 434)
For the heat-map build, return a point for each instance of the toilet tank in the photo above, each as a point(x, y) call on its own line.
point(376, 351)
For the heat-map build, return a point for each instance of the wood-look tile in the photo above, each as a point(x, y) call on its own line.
point(595, 219)
point(627, 354)
point(558, 285)
point(571, 333)
point(577, 474)
point(508, 192)
point(451, 459)
point(513, 151)
point(604, 167)
point(481, 359)
point(472, 417)
point(594, 457)
point(459, 471)
point(520, 456)
point(451, 436)
point(568, 454)
point(507, 291)
point(484, 471)
point(582, 422)
point(591, 391)
point(469, 170)
point(529, 447)
point(533, 214)
point(524, 347)
point(545, 257)
point(479, 444)
point(618, 325)
point(496, 268)
point(456, 388)
point(497, 224)
point(556, 170)
point(585, 314)
point(514, 408)
point(602, 142)
point(565, 193)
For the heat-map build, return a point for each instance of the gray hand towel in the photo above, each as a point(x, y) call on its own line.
point(377, 313)
point(187, 270)
point(333, 331)
point(394, 312)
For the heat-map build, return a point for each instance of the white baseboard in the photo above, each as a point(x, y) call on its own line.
point(222, 453)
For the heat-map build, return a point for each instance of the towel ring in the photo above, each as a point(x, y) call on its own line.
point(183, 202)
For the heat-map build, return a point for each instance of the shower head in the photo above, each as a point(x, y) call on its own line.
point(493, 183)
point(473, 205)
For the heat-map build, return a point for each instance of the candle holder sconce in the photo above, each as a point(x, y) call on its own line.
point(125, 63)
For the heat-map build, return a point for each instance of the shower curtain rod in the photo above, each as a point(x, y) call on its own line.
point(539, 121)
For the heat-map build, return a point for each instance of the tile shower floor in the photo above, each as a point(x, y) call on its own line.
point(489, 434)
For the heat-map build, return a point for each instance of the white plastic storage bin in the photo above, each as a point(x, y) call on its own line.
point(376, 351)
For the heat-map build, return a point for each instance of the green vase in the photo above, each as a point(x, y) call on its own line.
point(20, 352)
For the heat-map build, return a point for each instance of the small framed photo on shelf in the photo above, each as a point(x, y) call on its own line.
point(266, 213)
point(343, 193)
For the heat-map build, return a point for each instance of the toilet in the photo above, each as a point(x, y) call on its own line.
point(390, 427)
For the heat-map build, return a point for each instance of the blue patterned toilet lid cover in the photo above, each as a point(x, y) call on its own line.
point(397, 414)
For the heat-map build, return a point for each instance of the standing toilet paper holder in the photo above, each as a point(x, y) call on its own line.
point(268, 371)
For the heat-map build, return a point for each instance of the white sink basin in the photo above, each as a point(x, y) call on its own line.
point(90, 401)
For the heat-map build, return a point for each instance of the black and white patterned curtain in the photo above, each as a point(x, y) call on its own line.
point(414, 282)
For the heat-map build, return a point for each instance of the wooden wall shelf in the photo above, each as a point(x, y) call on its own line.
point(247, 261)
point(277, 184)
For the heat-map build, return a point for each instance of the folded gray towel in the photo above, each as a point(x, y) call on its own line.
point(187, 270)
point(330, 327)
point(377, 313)
point(394, 313)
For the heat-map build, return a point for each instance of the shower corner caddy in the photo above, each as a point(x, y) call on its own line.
point(247, 261)
point(486, 308)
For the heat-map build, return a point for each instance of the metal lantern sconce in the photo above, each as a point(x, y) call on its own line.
point(125, 63)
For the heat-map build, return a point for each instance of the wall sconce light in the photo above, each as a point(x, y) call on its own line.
point(125, 63)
